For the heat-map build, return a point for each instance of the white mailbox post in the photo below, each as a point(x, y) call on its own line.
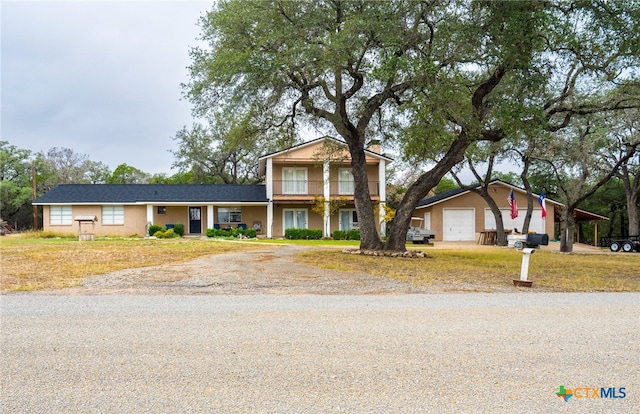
point(524, 269)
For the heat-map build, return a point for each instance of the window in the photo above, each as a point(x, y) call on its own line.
point(162, 210)
point(345, 181)
point(229, 215)
point(60, 215)
point(294, 181)
point(295, 218)
point(112, 214)
point(348, 220)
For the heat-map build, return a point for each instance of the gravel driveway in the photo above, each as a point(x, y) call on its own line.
point(269, 270)
point(256, 332)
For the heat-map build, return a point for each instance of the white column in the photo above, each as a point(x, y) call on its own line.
point(327, 198)
point(150, 213)
point(149, 219)
point(269, 185)
point(210, 216)
point(383, 195)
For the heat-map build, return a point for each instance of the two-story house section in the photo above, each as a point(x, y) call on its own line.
point(315, 173)
point(296, 181)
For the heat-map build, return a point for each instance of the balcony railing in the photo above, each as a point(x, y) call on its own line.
point(316, 188)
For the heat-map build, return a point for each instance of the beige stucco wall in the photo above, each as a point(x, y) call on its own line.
point(135, 219)
point(475, 201)
point(317, 152)
point(134, 222)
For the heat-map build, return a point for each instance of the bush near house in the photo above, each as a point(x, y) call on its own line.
point(168, 234)
point(353, 234)
point(236, 232)
point(303, 234)
point(154, 228)
point(339, 235)
point(179, 229)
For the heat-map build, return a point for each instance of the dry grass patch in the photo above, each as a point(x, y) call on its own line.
point(30, 264)
point(489, 269)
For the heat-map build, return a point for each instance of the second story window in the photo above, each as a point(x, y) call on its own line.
point(345, 181)
point(294, 181)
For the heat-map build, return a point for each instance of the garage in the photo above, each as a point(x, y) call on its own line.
point(458, 224)
point(536, 224)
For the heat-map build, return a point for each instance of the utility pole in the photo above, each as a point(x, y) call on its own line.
point(35, 208)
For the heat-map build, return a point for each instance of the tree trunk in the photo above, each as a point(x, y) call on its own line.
point(567, 227)
point(527, 186)
point(419, 190)
point(631, 190)
point(455, 154)
point(501, 237)
point(369, 237)
point(632, 213)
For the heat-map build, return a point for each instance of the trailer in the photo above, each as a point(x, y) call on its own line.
point(417, 234)
point(626, 244)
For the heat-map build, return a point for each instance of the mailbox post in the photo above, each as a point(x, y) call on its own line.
point(528, 248)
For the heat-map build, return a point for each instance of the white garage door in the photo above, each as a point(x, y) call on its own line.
point(458, 225)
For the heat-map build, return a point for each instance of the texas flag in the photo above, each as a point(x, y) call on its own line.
point(542, 205)
point(514, 205)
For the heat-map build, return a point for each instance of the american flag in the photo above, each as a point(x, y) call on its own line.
point(513, 204)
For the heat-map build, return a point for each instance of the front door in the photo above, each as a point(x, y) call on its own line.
point(195, 220)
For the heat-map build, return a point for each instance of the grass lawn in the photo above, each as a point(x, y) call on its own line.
point(29, 263)
point(490, 268)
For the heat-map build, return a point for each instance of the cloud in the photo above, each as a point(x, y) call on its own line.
point(101, 78)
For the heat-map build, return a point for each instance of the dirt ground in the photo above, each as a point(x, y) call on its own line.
point(272, 270)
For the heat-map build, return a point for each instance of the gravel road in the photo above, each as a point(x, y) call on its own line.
point(435, 353)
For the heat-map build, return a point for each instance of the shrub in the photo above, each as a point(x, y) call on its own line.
point(339, 235)
point(179, 229)
point(154, 228)
point(303, 234)
point(353, 234)
point(251, 233)
point(218, 233)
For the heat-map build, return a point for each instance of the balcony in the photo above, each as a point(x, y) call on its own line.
point(294, 188)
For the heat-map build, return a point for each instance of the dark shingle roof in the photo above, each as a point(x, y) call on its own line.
point(156, 193)
point(457, 191)
point(442, 196)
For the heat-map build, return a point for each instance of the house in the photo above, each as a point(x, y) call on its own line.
point(463, 215)
point(296, 181)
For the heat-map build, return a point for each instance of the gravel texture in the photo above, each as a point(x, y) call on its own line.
point(269, 270)
point(256, 332)
point(318, 353)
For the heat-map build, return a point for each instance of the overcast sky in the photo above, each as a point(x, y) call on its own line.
point(99, 77)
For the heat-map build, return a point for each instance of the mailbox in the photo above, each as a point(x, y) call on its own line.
point(536, 239)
